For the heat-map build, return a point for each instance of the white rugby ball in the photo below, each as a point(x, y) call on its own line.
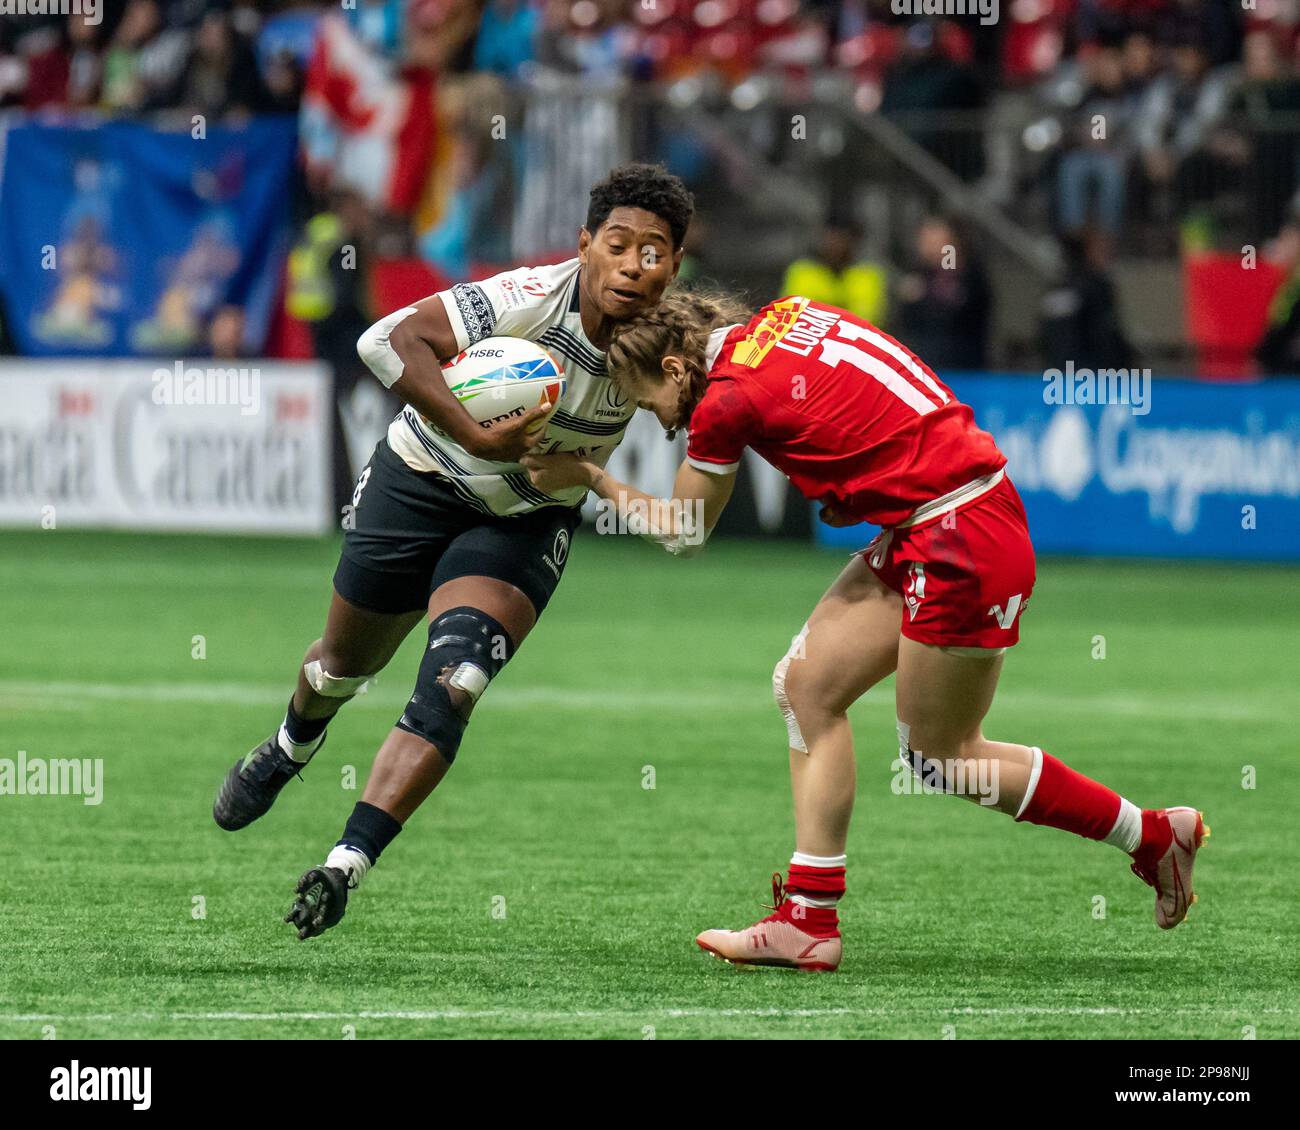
point(500, 377)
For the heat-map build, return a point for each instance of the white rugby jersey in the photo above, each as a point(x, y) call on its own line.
point(539, 304)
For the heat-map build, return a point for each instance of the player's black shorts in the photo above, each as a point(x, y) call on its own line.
point(412, 532)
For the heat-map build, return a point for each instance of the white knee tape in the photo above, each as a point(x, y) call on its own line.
point(334, 686)
point(470, 678)
point(778, 689)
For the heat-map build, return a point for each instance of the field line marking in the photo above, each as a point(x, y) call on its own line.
point(598, 1014)
point(530, 697)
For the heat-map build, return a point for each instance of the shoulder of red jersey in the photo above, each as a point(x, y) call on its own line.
point(775, 323)
point(723, 424)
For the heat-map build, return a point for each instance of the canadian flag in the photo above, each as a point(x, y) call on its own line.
point(363, 125)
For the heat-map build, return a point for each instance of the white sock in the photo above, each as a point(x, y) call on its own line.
point(352, 861)
point(799, 859)
point(1127, 833)
point(301, 752)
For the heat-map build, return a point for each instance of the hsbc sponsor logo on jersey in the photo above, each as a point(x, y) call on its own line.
point(808, 330)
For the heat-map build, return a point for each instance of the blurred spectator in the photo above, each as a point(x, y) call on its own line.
point(328, 278)
point(697, 263)
point(282, 83)
point(220, 75)
point(1257, 145)
point(925, 81)
point(475, 185)
point(1093, 171)
point(1215, 23)
point(85, 62)
point(942, 304)
point(1177, 116)
point(144, 57)
point(1279, 350)
point(835, 275)
point(1080, 319)
point(507, 37)
point(1140, 61)
point(587, 37)
point(329, 289)
point(226, 334)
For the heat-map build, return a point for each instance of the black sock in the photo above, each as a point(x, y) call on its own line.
point(370, 829)
point(301, 730)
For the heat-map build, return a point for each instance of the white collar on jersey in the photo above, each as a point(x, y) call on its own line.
point(716, 338)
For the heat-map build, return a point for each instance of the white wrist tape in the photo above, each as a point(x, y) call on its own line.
point(379, 356)
point(683, 543)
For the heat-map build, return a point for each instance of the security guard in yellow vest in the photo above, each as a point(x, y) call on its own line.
point(834, 277)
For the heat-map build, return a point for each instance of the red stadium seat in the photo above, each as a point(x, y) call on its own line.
point(1227, 311)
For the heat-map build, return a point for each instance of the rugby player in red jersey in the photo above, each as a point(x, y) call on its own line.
point(861, 425)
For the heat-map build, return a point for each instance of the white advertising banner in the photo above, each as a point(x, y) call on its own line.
point(186, 446)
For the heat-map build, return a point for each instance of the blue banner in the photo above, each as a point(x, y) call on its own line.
point(121, 239)
point(1199, 470)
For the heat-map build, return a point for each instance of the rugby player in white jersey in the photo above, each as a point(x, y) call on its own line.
point(447, 525)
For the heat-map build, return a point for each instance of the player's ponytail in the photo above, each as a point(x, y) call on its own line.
point(679, 326)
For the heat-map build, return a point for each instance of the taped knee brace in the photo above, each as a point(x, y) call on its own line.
point(778, 690)
point(467, 648)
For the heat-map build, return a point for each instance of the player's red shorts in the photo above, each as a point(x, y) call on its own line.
point(964, 579)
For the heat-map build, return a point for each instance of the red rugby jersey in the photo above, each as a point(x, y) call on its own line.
point(851, 416)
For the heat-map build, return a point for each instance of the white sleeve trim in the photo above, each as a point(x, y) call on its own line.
point(714, 468)
point(458, 330)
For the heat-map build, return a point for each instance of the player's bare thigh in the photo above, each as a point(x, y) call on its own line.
point(356, 642)
point(942, 697)
point(851, 644)
point(359, 641)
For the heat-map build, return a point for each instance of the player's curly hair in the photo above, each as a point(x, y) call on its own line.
point(651, 187)
point(679, 326)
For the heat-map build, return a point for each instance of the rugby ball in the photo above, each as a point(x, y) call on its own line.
point(500, 377)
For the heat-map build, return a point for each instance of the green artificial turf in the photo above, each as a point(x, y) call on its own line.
point(544, 891)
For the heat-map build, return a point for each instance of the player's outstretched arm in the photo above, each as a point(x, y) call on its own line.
point(405, 351)
point(680, 524)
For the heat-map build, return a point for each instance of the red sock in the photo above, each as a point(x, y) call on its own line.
point(1068, 800)
point(821, 884)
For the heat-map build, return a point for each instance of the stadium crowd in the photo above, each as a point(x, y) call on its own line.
point(1195, 144)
